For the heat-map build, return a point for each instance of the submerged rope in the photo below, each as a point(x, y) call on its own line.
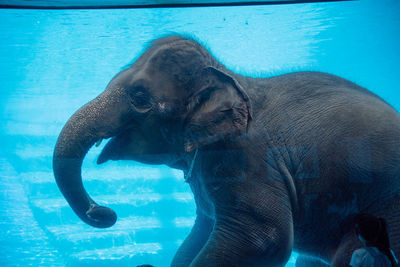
point(188, 176)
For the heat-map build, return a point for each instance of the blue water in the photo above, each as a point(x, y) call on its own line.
point(53, 62)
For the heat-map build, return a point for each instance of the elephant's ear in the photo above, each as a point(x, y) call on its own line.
point(219, 109)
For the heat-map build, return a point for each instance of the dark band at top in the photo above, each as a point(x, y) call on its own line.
point(154, 4)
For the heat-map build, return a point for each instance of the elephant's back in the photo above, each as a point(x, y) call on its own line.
point(341, 144)
point(338, 137)
point(322, 108)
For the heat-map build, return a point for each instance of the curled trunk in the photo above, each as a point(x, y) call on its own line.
point(100, 118)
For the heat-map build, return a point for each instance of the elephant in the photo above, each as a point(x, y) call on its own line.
point(275, 164)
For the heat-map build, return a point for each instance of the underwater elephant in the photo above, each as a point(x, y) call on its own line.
point(275, 164)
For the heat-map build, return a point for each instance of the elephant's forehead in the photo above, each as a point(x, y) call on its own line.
point(160, 84)
point(172, 52)
point(176, 59)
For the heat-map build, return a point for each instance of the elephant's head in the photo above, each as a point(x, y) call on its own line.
point(174, 99)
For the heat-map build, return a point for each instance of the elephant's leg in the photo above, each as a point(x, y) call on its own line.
point(348, 244)
point(304, 261)
point(391, 213)
point(245, 239)
point(194, 242)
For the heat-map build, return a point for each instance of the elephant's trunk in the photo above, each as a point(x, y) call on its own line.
point(100, 118)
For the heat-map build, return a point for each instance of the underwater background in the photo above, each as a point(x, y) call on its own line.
point(54, 61)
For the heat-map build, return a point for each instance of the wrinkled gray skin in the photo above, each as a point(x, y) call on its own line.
point(283, 163)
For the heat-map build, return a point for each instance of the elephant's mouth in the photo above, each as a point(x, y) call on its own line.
point(132, 145)
point(105, 154)
point(118, 144)
point(114, 149)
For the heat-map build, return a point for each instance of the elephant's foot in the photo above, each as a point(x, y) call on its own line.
point(304, 261)
point(348, 244)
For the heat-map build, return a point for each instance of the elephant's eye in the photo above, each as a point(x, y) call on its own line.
point(140, 99)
